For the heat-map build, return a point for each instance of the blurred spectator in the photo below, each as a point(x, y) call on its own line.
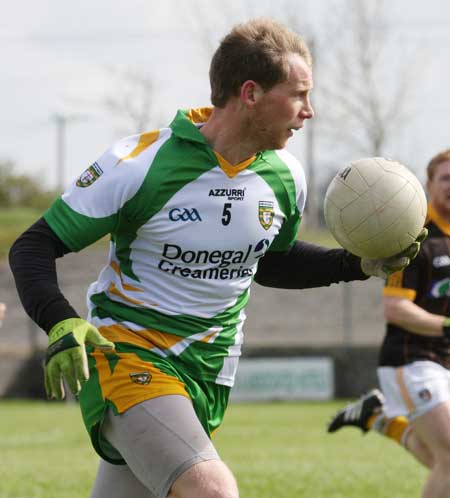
point(2, 313)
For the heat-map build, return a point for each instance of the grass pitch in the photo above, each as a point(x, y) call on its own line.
point(276, 450)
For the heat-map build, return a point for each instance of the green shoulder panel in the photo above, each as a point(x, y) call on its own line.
point(76, 230)
point(279, 177)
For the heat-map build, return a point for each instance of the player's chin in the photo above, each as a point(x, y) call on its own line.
point(282, 140)
point(277, 141)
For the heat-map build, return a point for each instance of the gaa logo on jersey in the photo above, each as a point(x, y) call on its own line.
point(89, 176)
point(266, 214)
point(184, 214)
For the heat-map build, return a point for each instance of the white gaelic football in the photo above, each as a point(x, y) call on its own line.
point(375, 207)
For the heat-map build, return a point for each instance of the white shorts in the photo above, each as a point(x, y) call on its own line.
point(414, 389)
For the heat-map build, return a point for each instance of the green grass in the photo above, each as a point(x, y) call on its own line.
point(275, 450)
point(15, 221)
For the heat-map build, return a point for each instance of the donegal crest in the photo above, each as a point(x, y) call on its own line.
point(266, 214)
point(142, 378)
point(89, 176)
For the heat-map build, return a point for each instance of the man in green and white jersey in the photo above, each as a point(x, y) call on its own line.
point(195, 212)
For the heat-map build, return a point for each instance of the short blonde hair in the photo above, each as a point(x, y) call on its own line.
point(255, 50)
point(442, 157)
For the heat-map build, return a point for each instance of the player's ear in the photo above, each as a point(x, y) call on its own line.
point(251, 92)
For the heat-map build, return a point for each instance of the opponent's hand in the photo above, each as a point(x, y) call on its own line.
point(384, 267)
point(66, 355)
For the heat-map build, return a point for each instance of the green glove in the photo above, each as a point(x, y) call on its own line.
point(66, 355)
point(384, 267)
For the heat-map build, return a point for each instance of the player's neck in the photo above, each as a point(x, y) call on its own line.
point(442, 212)
point(225, 133)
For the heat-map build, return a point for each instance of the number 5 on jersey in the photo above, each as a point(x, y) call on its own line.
point(226, 213)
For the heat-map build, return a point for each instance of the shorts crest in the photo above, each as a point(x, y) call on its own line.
point(142, 378)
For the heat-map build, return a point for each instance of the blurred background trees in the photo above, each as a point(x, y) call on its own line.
point(22, 191)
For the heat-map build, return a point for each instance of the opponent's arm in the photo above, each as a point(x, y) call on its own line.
point(409, 316)
point(32, 260)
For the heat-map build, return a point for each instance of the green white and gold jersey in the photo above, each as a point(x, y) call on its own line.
point(187, 230)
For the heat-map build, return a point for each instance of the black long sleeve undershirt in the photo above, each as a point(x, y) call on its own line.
point(306, 266)
point(32, 260)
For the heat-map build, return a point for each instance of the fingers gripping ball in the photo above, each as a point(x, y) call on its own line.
point(66, 355)
point(383, 267)
point(375, 208)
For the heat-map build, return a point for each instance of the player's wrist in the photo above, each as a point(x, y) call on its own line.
point(64, 327)
point(446, 327)
point(65, 342)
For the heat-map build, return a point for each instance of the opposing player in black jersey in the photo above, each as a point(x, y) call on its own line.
point(414, 363)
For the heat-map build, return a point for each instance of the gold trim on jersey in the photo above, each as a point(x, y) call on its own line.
point(115, 266)
point(145, 140)
point(127, 287)
point(433, 216)
point(395, 279)
point(119, 333)
point(409, 294)
point(199, 114)
point(394, 287)
point(399, 377)
point(232, 170)
point(161, 343)
point(112, 289)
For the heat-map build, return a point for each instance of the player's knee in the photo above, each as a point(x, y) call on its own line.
point(211, 479)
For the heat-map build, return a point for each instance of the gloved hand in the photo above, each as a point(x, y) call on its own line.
point(385, 266)
point(66, 355)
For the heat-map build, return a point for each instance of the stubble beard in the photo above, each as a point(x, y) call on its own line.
point(262, 137)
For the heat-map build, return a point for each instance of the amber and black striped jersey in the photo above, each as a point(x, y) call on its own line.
point(426, 282)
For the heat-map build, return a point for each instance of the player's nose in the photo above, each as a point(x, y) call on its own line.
point(308, 111)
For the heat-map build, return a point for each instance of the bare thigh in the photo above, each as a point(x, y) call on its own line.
point(433, 428)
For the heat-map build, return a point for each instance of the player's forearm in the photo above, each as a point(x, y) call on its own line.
point(306, 266)
point(409, 316)
point(32, 260)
